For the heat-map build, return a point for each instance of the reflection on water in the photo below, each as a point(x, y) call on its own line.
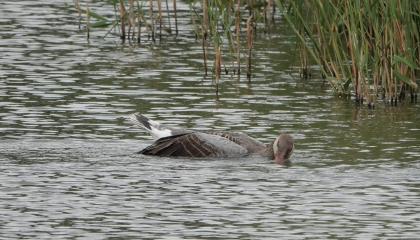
point(68, 162)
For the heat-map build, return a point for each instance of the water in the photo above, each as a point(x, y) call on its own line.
point(69, 168)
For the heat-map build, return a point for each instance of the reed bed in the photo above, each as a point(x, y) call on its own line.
point(134, 18)
point(229, 28)
point(366, 47)
point(226, 28)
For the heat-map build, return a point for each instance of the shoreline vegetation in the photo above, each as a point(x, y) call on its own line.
point(366, 49)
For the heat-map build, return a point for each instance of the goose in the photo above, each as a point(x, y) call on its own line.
point(179, 142)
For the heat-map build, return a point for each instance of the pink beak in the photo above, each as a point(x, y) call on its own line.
point(279, 158)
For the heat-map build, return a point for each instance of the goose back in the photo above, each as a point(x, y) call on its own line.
point(252, 145)
point(195, 144)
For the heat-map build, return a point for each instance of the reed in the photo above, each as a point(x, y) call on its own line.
point(269, 11)
point(238, 36)
point(123, 13)
point(175, 17)
point(216, 17)
point(139, 22)
point(152, 20)
point(87, 22)
point(160, 18)
point(250, 43)
point(168, 15)
point(79, 12)
point(204, 28)
point(131, 20)
point(367, 48)
point(219, 24)
point(218, 67)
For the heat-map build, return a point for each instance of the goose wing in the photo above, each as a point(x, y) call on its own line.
point(195, 144)
point(252, 145)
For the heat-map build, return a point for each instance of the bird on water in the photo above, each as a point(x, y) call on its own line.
point(179, 142)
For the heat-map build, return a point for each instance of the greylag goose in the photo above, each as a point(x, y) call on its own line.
point(178, 142)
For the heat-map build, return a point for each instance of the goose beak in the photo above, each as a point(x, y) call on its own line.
point(279, 158)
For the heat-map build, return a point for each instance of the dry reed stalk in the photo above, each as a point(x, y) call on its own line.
point(79, 12)
point(88, 22)
point(304, 63)
point(123, 13)
point(205, 27)
point(251, 4)
point(273, 13)
point(131, 20)
point(354, 69)
point(270, 4)
point(250, 42)
point(159, 2)
point(152, 20)
point(238, 36)
point(139, 21)
point(218, 67)
point(168, 16)
point(176, 18)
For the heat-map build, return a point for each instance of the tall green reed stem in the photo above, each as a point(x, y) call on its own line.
point(367, 47)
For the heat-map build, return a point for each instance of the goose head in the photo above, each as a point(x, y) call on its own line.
point(282, 148)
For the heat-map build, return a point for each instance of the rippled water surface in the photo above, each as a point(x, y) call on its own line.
point(69, 168)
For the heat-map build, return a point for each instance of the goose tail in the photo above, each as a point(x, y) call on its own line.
point(156, 129)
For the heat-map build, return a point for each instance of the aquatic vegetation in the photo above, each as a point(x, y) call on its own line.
point(219, 25)
point(370, 47)
point(366, 48)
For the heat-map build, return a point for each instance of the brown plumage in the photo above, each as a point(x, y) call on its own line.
point(188, 145)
